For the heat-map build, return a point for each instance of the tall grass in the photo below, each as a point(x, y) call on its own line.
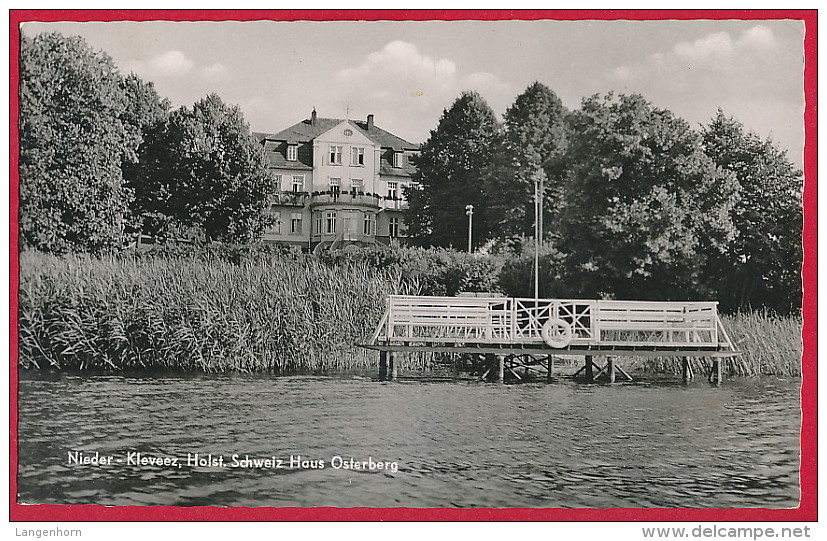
point(770, 345)
point(278, 312)
point(282, 314)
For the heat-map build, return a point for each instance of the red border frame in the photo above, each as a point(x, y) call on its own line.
point(807, 511)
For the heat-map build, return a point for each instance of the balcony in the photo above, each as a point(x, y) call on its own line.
point(289, 199)
point(348, 198)
point(389, 203)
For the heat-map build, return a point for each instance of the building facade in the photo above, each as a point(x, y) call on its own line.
point(337, 182)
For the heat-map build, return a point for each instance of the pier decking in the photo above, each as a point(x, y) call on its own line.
point(529, 327)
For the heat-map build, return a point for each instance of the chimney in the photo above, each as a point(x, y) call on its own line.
point(370, 122)
point(313, 117)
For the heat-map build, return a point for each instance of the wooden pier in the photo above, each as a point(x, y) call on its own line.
point(526, 333)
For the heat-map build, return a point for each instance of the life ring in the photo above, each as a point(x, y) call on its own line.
point(556, 333)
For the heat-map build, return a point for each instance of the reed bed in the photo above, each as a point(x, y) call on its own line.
point(282, 315)
point(771, 346)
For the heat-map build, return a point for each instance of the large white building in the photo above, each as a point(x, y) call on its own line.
point(337, 182)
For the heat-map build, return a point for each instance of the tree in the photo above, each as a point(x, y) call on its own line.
point(533, 144)
point(206, 170)
point(762, 267)
point(72, 144)
point(145, 114)
point(646, 207)
point(450, 165)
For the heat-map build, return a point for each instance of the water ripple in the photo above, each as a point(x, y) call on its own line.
point(457, 444)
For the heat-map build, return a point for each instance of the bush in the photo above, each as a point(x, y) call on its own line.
point(427, 271)
point(517, 275)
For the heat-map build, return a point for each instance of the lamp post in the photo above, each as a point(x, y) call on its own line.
point(538, 231)
point(469, 210)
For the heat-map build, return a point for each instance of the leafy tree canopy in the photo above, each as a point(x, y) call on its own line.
point(208, 171)
point(762, 266)
point(646, 207)
point(145, 114)
point(450, 165)
point(73, 140)
point(532, 145)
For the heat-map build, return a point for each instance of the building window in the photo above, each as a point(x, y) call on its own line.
point(276, 183)
point(397, 159)
point(335, 154)
point(393, 227)
point(330, 222)
point(292, 153)
point(296, 223)
point(370, 225)
point(275, 228)
point(298, 183)
point(335, 186)
point(358, 156)
point(393, 190)
point(319, 222)
point(357, 185)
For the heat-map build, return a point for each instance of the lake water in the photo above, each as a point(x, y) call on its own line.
point(652, 443)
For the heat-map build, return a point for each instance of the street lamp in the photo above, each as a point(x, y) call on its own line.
point(469, 210)
point(538, 229)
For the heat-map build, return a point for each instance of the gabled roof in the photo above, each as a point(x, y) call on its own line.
point(384, 138)
point(305, 131)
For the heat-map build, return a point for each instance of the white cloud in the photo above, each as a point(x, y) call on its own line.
point(215, 72)
point(487, 83)
point(401, 84)
point(759, 38)
point(716, 52)
point(166, 64)
point(709, 48)
point(400, 59)
point(751, 75)
point(175, 65)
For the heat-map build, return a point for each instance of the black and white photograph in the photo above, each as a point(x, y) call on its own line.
point(424, 264)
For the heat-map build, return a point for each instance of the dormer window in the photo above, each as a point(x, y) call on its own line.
point(292, 153)
point(397, 159)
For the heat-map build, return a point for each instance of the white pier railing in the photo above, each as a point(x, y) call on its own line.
point(555, 323)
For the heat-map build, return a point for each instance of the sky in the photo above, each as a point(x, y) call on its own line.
point(406, 73)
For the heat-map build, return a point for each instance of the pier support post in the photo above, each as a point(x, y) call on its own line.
point(589, 368)
point(383, 365)
point(610, 369)
point(549, 367)
point(716, 375)
point(686, 371)
point(500, 368)
point(394, 365)
point(489, 361)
